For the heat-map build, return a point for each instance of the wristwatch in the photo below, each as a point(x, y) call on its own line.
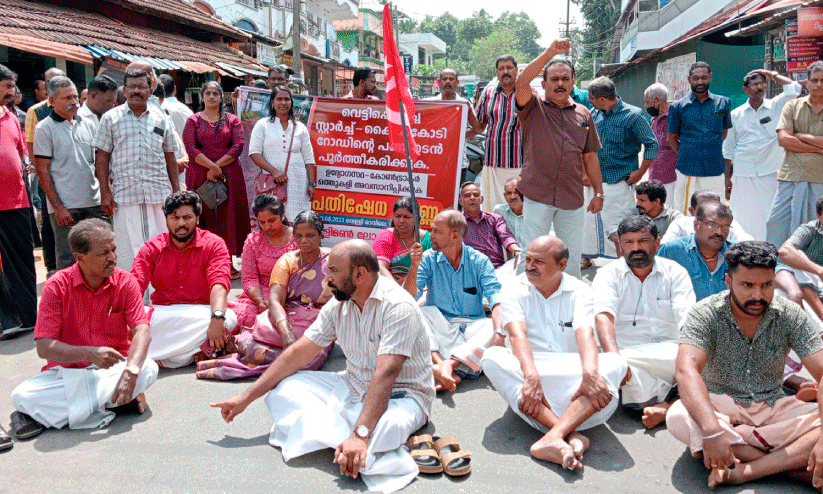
point(312, 184)
point(362, 431)
point(600, 195)
point(132, 369)
point(218, 314)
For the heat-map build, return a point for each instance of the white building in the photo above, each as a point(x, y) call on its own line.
point(421, 46)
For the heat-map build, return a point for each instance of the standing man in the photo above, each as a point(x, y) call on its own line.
point(656, 99)
point(102, 98)
point(560, 144)
point(16, 246)
point(447, 82)
point(178, 112)
point(278, 76)
point(497, 113)
point(40, 93)
point(751, 151)
point(385, 394)
point(135, 150)
point(364, 85)
point(698, 123)
point(800, 178)
point(64, 159)
point(622, 130)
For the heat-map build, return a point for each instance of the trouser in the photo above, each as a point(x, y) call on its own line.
point(459, 338)
point(47, 234)
point(618, 199)
point(62, 249)
point(759, 425)
point(177, 331)
point(750, 202)
point(314, 410)
point(686, 185)
point(538, 220)
point(652, 366)
point(79, 398)
point(793, 205)
point(134, 225)
point(17, 254)
point(560, 376)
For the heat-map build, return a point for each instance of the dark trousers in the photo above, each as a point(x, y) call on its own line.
point(47, 234)
point(17, 253)
point(61, 233)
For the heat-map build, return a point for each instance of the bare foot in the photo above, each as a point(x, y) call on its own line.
point(722, 476)
point(579, 444)
point(655, 415)
point(445, 378)
point(142, 404)
point(557, 451)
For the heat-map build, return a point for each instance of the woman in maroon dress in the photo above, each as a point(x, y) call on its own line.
point(214, 140)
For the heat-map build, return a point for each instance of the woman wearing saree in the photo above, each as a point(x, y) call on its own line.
point(297, 293)
point(393, 244)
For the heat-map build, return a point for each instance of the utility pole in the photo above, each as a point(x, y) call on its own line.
point(295, 49)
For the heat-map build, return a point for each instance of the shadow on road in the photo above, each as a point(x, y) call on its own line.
point(241, 442)
point(52, 440)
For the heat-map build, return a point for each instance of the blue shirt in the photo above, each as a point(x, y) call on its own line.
point(621, 132)
point(700, 127)
point(581, 96)
point(458, 293)
point(684, 251)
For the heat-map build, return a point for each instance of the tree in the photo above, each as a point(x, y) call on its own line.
point(486, 50)
point(407, 26)
point(595, 39)
point(525, 31)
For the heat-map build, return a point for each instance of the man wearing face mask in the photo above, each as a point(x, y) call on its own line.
point(662, 168)
point(697, 125)
point(751, 151)
point(64, 160)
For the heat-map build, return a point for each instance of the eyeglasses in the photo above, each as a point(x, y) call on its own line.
point(714, 226)
point(139, 87)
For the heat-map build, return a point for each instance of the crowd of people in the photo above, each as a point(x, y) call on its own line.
point(714, 292)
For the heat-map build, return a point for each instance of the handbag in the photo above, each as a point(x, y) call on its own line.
point(265, 183)
point(214, 193)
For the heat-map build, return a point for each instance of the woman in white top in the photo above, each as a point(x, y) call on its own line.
point(268, 149)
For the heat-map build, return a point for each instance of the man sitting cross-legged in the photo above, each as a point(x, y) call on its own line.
point(189, 271)
point(367, 412)
point(733, 410)
point(94, 362)
point(458, 279)
point(552, 376)
point(641, 300)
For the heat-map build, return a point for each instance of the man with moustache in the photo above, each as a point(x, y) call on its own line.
point(188, 268)
point(560, 144)
point(364, 85)
point(733, 412)
point(684, 225)
point(512, 209)
point(650, 201)
point(642, 300)
point(94, 332)
point(136, 166)
point(697, 125)
point(368, 411)
point(447, 82)
point(64, 160)
point(486, 232)
point(751, 151)
point(552, 376)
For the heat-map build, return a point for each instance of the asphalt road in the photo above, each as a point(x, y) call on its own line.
point(182, 445)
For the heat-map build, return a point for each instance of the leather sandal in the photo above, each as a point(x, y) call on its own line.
point(25, 427)
point(422, 451)
point(455, 460)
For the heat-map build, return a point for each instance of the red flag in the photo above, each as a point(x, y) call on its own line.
point(397, 88)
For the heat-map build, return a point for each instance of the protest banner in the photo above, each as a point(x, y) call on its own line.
point(359, 176)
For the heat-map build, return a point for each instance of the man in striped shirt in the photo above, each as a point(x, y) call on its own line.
point(368, 412)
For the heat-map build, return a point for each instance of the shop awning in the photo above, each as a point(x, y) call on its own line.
point(46, 48)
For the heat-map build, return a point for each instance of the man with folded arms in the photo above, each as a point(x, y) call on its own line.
point(733, 411)
point(367, 412)
point(552, 376)
point(189, 271)
point(641, 300)
point(93, 330)
point(459, 279)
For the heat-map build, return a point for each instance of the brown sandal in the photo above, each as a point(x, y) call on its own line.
point(421, 449)
point(455, 460)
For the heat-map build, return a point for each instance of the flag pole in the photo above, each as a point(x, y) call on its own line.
point(415, 206)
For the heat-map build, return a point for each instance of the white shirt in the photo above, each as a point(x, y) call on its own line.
point(272, 141)
point(644, 312)
point(86, 114)
point(684, 226)
point(178, 112)
point(751, 143)
point(551, 322)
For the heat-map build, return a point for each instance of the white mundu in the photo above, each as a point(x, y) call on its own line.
point(647, 316)
point(177, 331)
point(79, 398)
point(551, 324)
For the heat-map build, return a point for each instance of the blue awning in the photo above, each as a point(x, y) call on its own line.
point(157, 63)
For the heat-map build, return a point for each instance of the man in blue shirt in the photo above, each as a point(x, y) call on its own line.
point(623, 130)
point(697, 125)
point(458, 280)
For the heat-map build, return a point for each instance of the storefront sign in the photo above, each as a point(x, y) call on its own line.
point(800, 52)
point(333, 49)
point(267, 54)
point(115, 69)
point(810, 22)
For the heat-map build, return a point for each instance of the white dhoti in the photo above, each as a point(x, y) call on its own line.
point(652, 366)
point(79, 398)
point(134, 225)
point(618, 199)
point(750, 202)
point(491, 181)
point(177, 331)
point(560, 375)
point(686, 185)
point(313, 410)
point(507, 272)
point(461, 338)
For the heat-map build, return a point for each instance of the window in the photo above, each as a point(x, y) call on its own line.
point(245, 25)
point(203, 6)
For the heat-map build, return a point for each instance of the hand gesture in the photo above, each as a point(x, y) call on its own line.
point(217, 334)
point(124, 390)
point(351, 455)
point(596, 205)
point(107, 202)
point(230, 408)
point(416, 254)
point(717, 452)
point(561, 45)
point(594, 388)
point(532, 397)
point(63, 216)
point(104, 357)
point(816, 464)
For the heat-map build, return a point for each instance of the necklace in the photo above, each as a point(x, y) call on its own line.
point(709, 259)
point(397, 234)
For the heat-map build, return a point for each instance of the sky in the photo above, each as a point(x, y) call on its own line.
point(546, 13)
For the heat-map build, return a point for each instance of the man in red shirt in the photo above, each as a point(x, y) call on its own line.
point(189, 270)
point(94, 362)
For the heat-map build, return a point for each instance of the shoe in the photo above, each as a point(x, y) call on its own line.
point(6, 442)
point(25, 427)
